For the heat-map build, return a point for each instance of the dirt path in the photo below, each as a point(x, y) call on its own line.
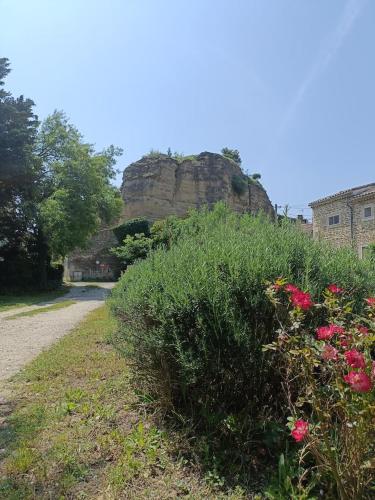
point(21, 339)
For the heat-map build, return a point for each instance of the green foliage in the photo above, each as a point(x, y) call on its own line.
point(77, 195)
point(239, 184)
point(285, 483)
point(254, 179)
point(137, 238)
point(154, 153)
point(133, 248)
point(55, 191)
point(370, 253)
point(167, 231)
point(194, 317)
point(132, 227)
point(331, 405)
point(232, 154)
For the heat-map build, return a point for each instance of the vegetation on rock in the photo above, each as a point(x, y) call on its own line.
point(239, 184)
point(232, 154)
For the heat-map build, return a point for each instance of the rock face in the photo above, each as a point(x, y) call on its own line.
point(157, 186)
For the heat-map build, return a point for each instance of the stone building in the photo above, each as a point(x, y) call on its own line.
point(346, 218)
point(157, 186)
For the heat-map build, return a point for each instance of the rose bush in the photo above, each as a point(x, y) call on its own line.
point(328, 378)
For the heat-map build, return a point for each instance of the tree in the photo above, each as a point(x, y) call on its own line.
point(55, 190)
point(76, 196)
point(133, 248)
point(131, 227)
point(18, 169)
point(232, 154)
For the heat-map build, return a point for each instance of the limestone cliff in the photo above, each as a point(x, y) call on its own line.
point(157, 186)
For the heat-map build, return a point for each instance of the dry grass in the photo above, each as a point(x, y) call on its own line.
point(74, 428)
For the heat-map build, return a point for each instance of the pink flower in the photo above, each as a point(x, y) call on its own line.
point(302, 300)
point(300, 430)
point(329, 353)
point(355, 359)
point(324, 333)
point(327, 332)
point(358, 381)
point(371, 301)
point(363, 330)
point(334, 289)
point(338, 329)
point(291, 288)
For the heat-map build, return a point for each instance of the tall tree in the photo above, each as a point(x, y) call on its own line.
point(76, 195)
point(55, 190)
point(18, 130)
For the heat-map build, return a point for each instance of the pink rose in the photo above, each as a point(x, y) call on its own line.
point(334, 289)
point(358, 381)
point(300, 430)
point(355, 359)
point(329, 353)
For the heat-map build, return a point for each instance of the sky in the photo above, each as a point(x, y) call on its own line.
point(289, 83)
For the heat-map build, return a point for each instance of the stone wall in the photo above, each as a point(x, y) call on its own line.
point(155, 187)
point(352, 231)
point(95, 262)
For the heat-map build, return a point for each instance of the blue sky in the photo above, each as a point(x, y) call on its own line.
point(290, 83)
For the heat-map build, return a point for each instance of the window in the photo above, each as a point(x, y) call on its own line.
point(333, 220)
point(368, 212)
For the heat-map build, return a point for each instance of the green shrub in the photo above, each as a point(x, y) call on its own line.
point(166, 232)
point(239, 184)
point(194, 318)
point(132, 249)
point(232, 154)
point(132, 227)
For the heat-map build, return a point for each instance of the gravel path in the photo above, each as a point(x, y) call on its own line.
point(21, 339)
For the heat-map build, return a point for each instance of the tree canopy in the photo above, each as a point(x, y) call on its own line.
point(55, 190)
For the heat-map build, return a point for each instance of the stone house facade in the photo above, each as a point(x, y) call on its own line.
point(346, 218)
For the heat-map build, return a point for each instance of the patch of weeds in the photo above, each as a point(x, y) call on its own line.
point(17, 300)
point(39, 310)
point(77, 430)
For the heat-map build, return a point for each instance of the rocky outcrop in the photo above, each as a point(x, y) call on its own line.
point(157, 186)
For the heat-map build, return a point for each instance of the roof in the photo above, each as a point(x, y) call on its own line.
point(355, 192)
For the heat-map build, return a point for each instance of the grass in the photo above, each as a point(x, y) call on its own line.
point(39, 310)
point(75, 428)
point(10, 301)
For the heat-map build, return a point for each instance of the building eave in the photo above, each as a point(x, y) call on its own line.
point(348, 193)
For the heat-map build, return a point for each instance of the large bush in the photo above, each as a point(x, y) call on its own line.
point(194, 317)
point(131, 228)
